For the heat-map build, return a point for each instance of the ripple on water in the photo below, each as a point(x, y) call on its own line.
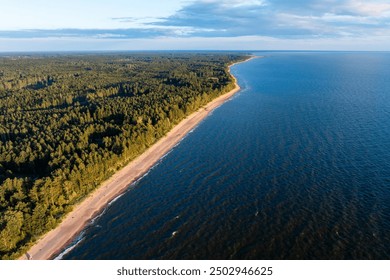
point(294, 167)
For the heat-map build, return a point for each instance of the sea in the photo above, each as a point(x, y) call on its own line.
point(295, 166)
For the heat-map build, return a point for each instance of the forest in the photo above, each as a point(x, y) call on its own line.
point(70, 121)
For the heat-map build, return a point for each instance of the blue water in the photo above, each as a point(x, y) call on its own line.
point(295, 166)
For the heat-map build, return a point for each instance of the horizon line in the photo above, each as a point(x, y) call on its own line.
point(181, 50)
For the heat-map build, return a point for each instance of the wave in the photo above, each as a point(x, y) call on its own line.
point(115, 199)
point(102, 213)
point(68, 249)
point(140, 178)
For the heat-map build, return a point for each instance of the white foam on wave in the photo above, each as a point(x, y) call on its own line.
point(188, 133)
point(115, 199)
point(98, 216)
point(105, 209)
point(164, 156)
point(150, 169)
point(181, 140)
point(79, 238)
point(140, 178)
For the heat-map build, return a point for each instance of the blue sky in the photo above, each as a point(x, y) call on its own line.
point(61, 25)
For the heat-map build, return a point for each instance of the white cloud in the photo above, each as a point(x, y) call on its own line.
point(330, 17)
point(366, 43)
point(244, 3)
point(235, 3)
point(108, 35)
point(369, 8)
point(245, 23)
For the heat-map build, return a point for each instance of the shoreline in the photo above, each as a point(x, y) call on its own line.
point(56, 240)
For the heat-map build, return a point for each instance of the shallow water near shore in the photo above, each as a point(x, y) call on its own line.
point(295, 166)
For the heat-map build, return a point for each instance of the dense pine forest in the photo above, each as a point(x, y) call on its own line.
point(68, 122)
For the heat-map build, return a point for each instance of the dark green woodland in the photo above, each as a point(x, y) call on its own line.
point(68, 122)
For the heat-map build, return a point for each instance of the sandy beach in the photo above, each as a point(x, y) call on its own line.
point(57, 239)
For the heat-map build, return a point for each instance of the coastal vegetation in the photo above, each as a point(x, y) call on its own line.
point(68, 122)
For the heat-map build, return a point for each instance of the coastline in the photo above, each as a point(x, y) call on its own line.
point(55, 241)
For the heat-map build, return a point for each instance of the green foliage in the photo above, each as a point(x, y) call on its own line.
point(69, 122)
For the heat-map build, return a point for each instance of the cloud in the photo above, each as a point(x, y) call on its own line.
point(282, 18)
point(220, 18)
point(298, 19)
point(81, 33)
point(369, 8)
point(199, 43)
point(138, 22)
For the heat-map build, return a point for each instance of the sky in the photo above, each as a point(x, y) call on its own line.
point(82, 25)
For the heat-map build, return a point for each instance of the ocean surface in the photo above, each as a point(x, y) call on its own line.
point(295, 166)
